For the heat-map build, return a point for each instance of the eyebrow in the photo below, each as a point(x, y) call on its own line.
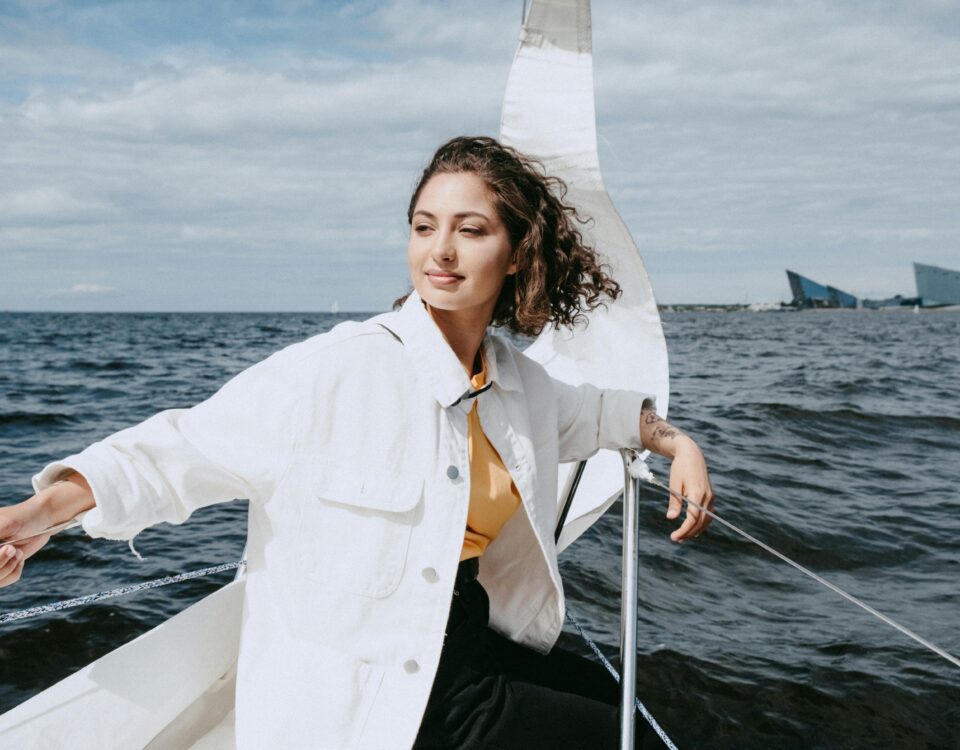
point(461, 215)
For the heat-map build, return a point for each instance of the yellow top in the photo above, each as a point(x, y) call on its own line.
point(493, 495)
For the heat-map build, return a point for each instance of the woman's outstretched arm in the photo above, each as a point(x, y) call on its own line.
point(688, 471)
point(236, 444)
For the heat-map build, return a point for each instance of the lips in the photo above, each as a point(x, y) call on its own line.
point(443, 277)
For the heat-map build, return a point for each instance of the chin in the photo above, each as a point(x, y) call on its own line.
point(440, 299)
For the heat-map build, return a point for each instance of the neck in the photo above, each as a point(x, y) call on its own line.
point(464, 331)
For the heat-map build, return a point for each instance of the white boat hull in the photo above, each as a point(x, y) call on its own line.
point(170, 688)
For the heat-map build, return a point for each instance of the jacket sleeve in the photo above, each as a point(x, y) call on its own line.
point(236, 444)
point(591, 418)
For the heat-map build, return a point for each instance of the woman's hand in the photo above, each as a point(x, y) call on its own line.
point(688, 472)
point(689, 477)
point(57, 503)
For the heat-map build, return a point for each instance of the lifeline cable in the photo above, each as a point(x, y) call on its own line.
point(616, 675)
point(22, 614)
point(640, 470)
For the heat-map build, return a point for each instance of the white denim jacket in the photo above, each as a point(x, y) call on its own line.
point(352, 447)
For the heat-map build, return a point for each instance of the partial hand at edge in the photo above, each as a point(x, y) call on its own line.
point(57, 503)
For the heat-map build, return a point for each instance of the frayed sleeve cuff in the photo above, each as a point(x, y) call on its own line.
point(110, 518)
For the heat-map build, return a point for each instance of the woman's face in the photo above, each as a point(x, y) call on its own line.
point(459, 251)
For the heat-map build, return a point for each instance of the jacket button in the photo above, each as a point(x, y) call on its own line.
point(411, 667)
point(453, 472)
point(430, 575)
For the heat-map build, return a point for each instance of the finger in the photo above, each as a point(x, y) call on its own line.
point(689, 525)
point(675, 505)
point(708, 504)
point(697, 506)
point(13, 576)
point(8, 553)
point(10, 557)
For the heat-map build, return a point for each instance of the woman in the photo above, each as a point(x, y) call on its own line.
point(383, 460)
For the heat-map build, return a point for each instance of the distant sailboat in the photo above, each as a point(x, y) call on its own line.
point(335, 307)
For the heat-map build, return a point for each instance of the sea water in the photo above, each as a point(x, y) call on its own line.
point(833, 436)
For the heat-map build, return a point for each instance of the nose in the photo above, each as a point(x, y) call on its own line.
point(444, 250)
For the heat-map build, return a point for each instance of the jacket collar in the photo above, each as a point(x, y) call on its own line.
point(435, 360)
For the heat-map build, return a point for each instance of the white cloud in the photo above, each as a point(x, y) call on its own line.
point(49, 202)
point(84, 289)
point(230, 103)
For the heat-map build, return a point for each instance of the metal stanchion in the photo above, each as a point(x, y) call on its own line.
point(628, 608)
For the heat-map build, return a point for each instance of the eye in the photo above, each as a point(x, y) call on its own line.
point(421, 228)
point(471, 230)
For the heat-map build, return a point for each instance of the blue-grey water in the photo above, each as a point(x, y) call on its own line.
point(833, 436)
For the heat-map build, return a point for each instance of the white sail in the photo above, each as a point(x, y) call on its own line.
point(548, 112)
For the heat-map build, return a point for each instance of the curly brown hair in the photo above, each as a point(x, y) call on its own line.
point(558, 277)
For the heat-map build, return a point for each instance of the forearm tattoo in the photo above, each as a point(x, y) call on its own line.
point(666, 431)
point(663, 429)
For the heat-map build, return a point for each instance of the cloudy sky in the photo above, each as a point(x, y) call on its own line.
point(217, 155)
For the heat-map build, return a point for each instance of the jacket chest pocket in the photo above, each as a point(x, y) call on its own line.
point(354, 530)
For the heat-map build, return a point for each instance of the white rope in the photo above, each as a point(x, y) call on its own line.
point(643, 472)
point(616, 675)
point(79, 601)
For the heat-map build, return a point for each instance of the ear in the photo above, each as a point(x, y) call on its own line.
point(512, 268)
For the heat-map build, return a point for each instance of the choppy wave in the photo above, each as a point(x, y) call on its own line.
point(33, 419)
point(847, 419)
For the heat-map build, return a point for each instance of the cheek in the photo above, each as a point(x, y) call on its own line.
point(495, 269)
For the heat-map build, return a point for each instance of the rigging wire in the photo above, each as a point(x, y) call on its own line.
point(640, 470)
point(79, 601)
point(616, 675)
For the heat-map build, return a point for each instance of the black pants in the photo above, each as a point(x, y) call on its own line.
point(493, 694)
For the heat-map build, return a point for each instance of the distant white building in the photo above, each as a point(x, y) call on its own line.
point(764, 307)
